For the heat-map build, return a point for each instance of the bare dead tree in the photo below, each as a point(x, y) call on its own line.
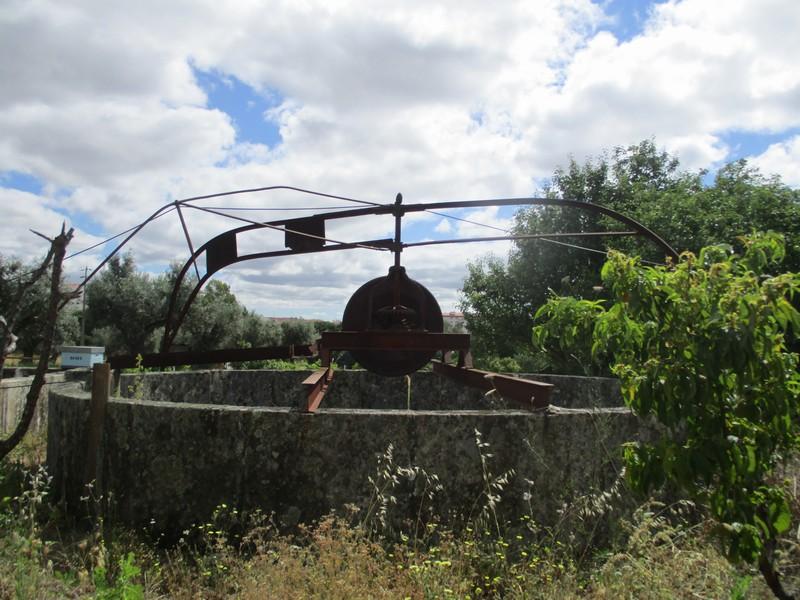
point(8, 325)
point(58, 249)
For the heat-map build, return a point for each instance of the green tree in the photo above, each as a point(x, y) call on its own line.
point(741, 200)
point(258, 331)
point(298, 331)
point(563, 335)
point(123, 308)
point(215, 320)
point(126, 310)
point(165, 285)
point(68, 327)
point(31, 321)
point(499, 299)
point(701, 347)
point(494, 305)
point(320, 326)
point(52, 265)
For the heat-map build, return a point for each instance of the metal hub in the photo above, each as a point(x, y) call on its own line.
point(397, 303)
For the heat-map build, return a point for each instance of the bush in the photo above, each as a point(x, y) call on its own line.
point(701, 346)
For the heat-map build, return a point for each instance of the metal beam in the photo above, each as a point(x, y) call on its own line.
point(524, 392)
point(316, 385)
point(394, 340)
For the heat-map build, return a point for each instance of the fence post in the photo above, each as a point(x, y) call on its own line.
point(101, 387)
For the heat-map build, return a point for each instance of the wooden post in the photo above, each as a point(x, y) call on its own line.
point(101, 387)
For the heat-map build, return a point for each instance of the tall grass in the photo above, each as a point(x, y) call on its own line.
point(662, 551)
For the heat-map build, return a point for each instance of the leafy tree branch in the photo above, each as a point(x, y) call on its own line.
point(701, 346)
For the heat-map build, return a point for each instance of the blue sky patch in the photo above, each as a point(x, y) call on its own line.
point(627, 17)
point(245, 106)
point(743, 144)
point(478, 117)
point(24, 182)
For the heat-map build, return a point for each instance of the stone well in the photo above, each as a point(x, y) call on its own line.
point(176, 445)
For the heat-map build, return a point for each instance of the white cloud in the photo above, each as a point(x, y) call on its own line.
point(443, 226)
point(781, 159)
point(696, 72)
point(98, 144)
point(22, 213)
point(449, 100)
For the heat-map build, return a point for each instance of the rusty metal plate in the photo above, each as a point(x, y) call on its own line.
point(393, 303)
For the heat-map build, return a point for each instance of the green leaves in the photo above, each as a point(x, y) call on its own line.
point(499, 296)
point(564, 332)
point(702, 347)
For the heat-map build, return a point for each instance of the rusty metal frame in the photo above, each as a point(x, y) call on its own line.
point(378, 340)
point(316, 385)
point(307, 235)
point(221, 251)
point(526, 393)
point(207, 357)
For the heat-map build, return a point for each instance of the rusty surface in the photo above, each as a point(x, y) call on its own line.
point(528, 236)
point(397, 340)
point(308, 235)
point(474, 378)
point(221, 251)
point(172, 359)
point(188, 237)
point(398, 304)
point(524, 392)
point(316, 385)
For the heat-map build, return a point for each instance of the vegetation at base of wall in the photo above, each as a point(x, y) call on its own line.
point(661, 551)
point(280, 364)
point(18, 360)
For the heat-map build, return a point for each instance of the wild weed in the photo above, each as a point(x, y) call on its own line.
point(397, 549)
point(493, 488)
point(388, 475)
point(136, 391)
point(124, 586)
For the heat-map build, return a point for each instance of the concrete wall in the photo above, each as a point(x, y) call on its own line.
point(14, 391)
point(174, 462)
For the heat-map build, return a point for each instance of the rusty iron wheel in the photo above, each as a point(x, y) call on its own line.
point(394, 302)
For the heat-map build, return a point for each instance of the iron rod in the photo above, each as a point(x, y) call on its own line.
point(532, 236)
point(188, 239)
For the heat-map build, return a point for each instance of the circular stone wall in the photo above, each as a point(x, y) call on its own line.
point(182, 443)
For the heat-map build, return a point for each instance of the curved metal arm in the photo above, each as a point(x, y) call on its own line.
point(221, 251)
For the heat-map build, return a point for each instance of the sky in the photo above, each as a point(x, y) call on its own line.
point(110, 110)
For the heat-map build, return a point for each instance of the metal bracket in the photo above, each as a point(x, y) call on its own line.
point(524, 392)
point(316, 385)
